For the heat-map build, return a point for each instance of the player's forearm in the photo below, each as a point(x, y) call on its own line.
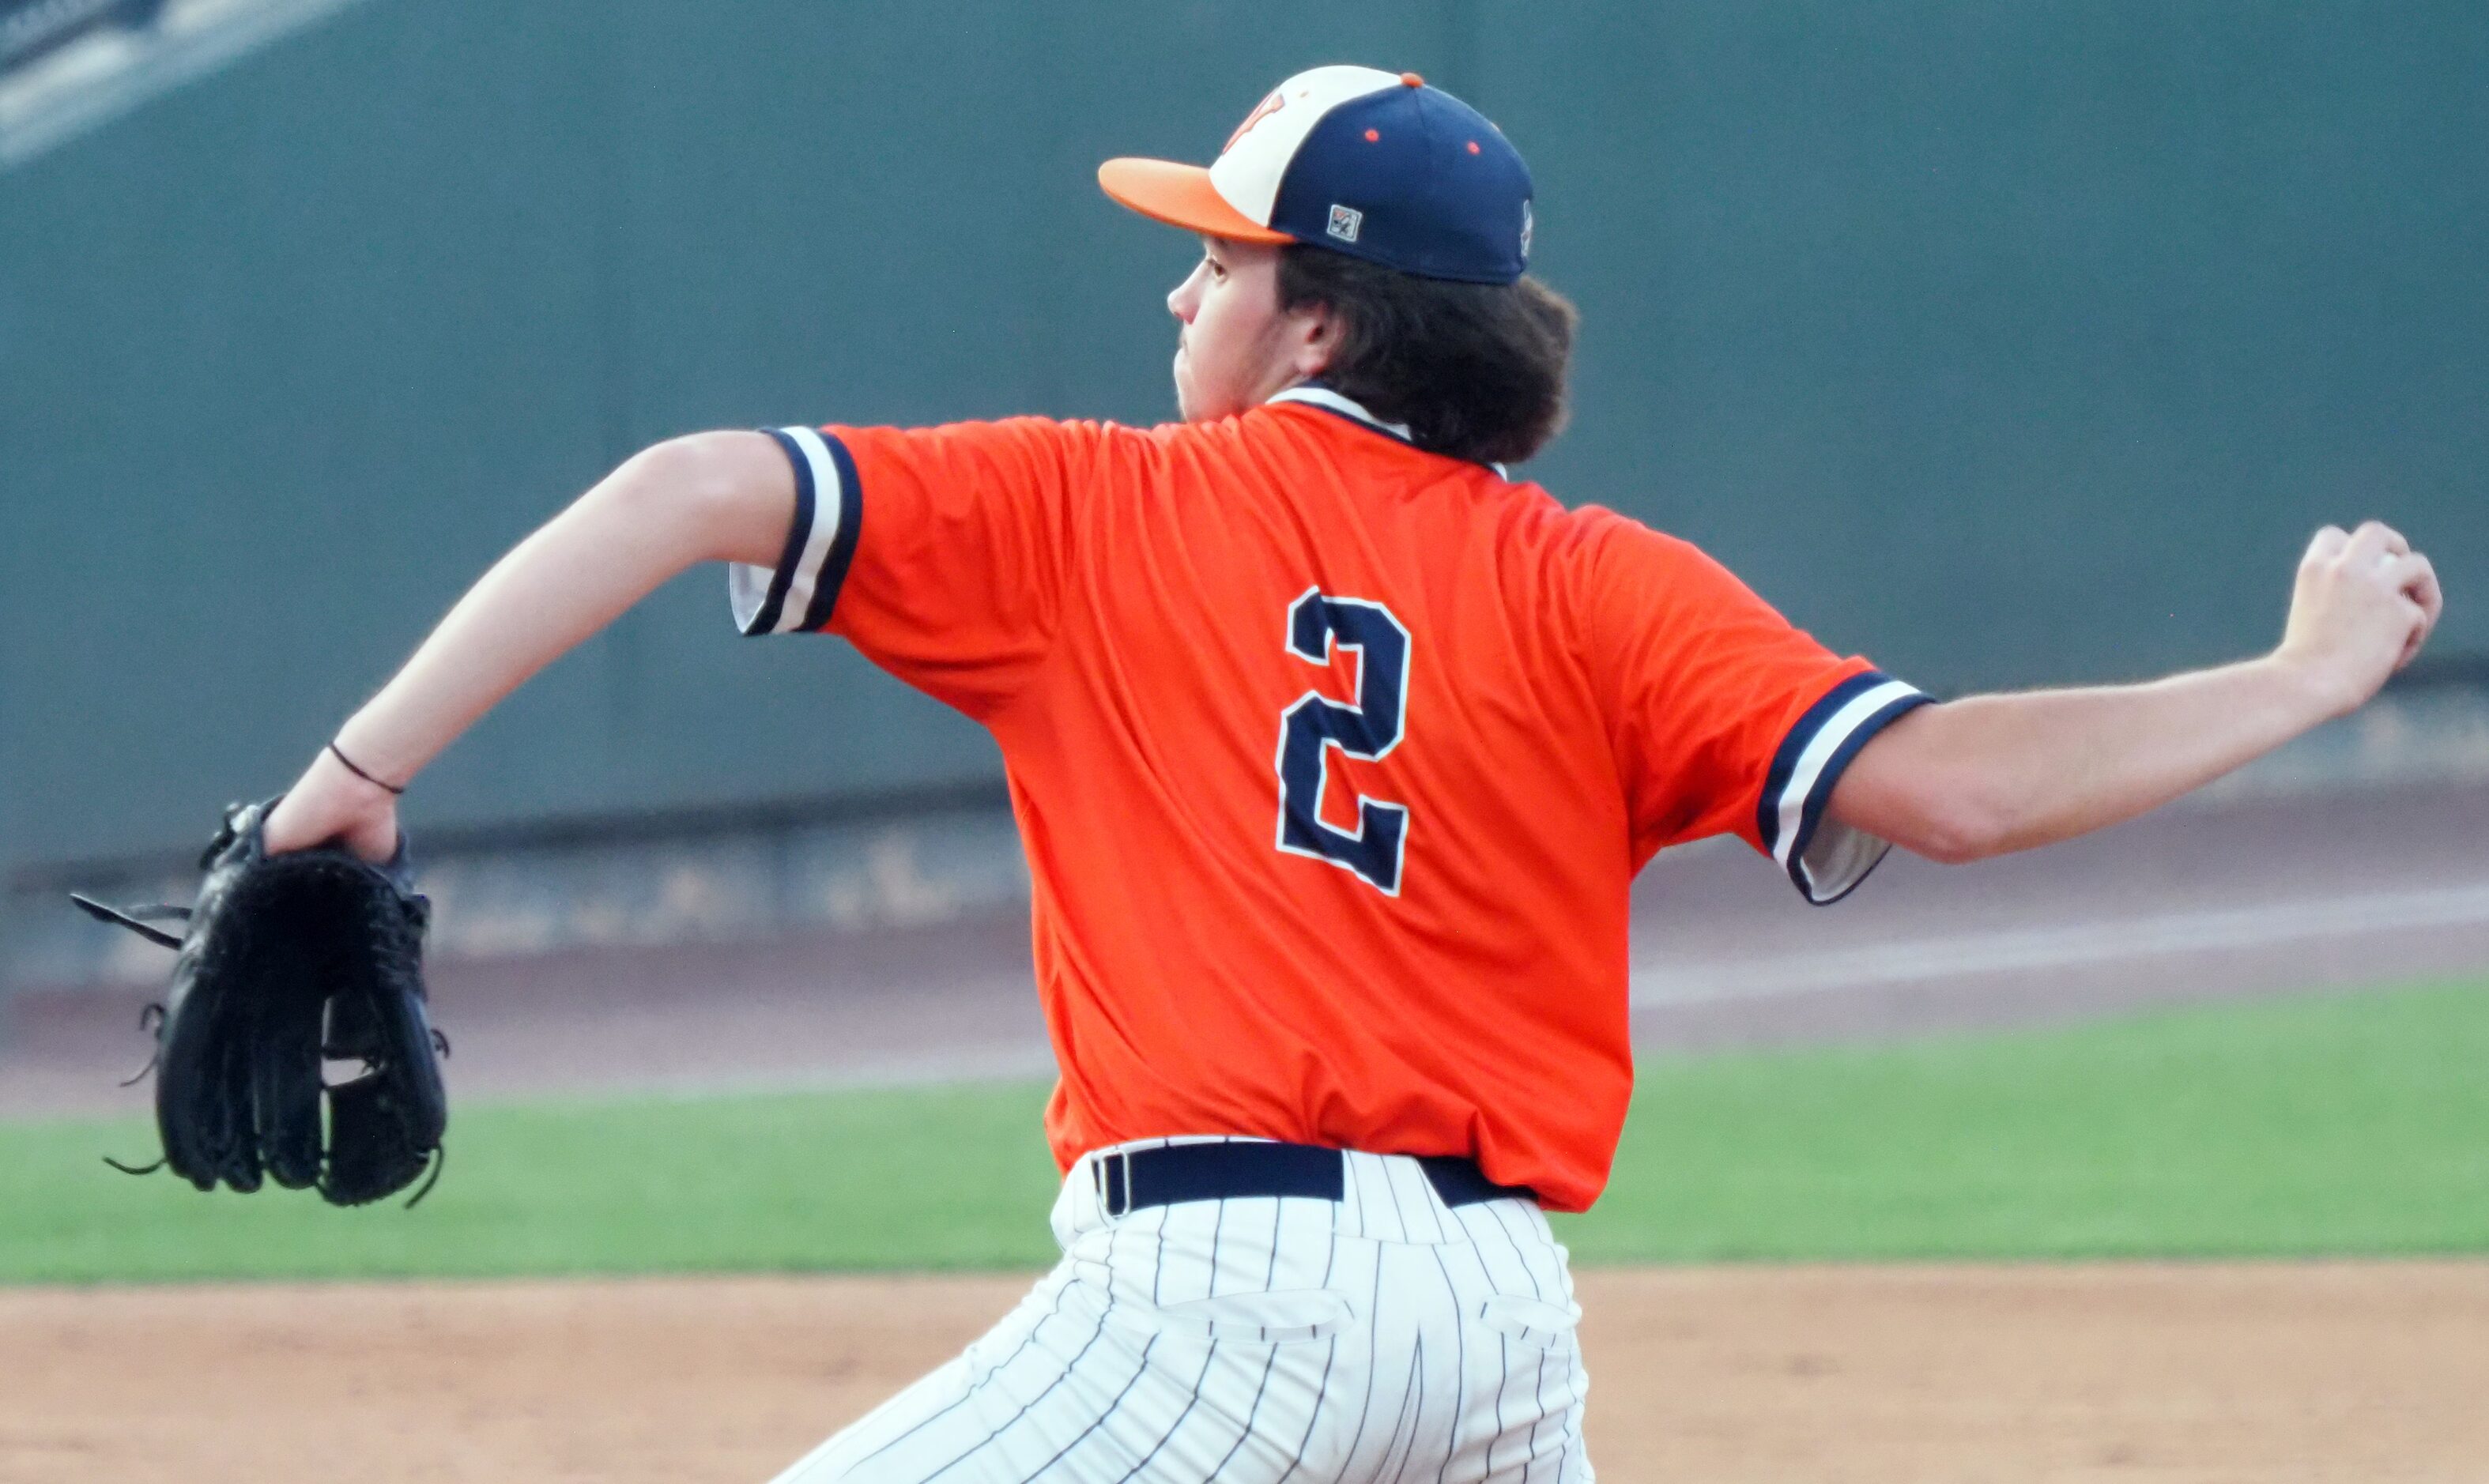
point(1998, 773)
point(713, 497)
point(1992, 774)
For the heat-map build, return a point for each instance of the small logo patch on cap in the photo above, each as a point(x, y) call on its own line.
point(1345, 223)
point(1525, 226)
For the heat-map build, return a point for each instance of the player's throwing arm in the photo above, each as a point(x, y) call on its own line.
point(1996, 772)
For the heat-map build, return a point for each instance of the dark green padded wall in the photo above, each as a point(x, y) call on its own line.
point(2024, 342)
point(2005, 343)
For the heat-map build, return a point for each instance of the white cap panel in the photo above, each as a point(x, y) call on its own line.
point(1246, 173)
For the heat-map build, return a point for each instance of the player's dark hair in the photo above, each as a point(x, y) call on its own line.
point(1476, 370)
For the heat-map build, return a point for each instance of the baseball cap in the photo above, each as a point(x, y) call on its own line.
point(1374, 164)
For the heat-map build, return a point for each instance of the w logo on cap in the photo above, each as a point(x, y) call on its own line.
point(1262, 111)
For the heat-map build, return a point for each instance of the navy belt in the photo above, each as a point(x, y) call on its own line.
point(1171, 1174)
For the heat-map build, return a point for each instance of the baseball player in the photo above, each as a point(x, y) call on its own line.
point(1335, 749)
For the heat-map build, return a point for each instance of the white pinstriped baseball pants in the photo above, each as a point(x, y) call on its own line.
point(1382, 1338)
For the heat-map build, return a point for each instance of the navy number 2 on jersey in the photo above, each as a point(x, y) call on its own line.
point(1314, 723)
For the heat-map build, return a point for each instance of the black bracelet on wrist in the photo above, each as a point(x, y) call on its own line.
point(355, 769)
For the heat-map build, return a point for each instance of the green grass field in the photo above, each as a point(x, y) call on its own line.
point(2355, 1125)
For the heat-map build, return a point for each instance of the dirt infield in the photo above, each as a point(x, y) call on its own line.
point(2275, 1374)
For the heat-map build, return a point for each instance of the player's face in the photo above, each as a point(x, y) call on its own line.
point(1237, 347)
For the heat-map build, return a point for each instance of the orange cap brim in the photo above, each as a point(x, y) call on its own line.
point(1181, 196)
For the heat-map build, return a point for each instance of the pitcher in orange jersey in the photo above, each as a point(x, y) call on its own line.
point(1334, 750)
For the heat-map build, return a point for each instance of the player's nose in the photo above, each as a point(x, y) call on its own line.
point(1183, 300)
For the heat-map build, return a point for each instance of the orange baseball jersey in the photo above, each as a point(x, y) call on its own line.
point(1333, 758)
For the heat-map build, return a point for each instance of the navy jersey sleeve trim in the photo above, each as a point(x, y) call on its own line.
point(833, 577)
point(1825, 863)
point(798, 595)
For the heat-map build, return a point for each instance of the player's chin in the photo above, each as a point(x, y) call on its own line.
point(1186, 400)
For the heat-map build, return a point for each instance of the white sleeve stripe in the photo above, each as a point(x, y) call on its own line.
point(746, 592)
point(1819, 750)
point(829, 507)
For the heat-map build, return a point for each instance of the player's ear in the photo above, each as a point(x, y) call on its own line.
point(1314, 337)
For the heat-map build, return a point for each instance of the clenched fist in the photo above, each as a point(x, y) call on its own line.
point(2364, 605)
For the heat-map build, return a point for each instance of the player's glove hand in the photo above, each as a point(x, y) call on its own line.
point(333, 805)
point(289, 960)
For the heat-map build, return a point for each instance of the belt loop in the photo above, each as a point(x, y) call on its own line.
point(1114, 1184)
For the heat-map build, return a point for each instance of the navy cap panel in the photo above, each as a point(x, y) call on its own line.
point(1478, 196)
point(1356, 194)
point(1390, 178)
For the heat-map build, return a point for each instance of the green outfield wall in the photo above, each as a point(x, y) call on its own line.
point(2006, 342)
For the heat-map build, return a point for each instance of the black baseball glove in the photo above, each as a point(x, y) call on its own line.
point(288, 960)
